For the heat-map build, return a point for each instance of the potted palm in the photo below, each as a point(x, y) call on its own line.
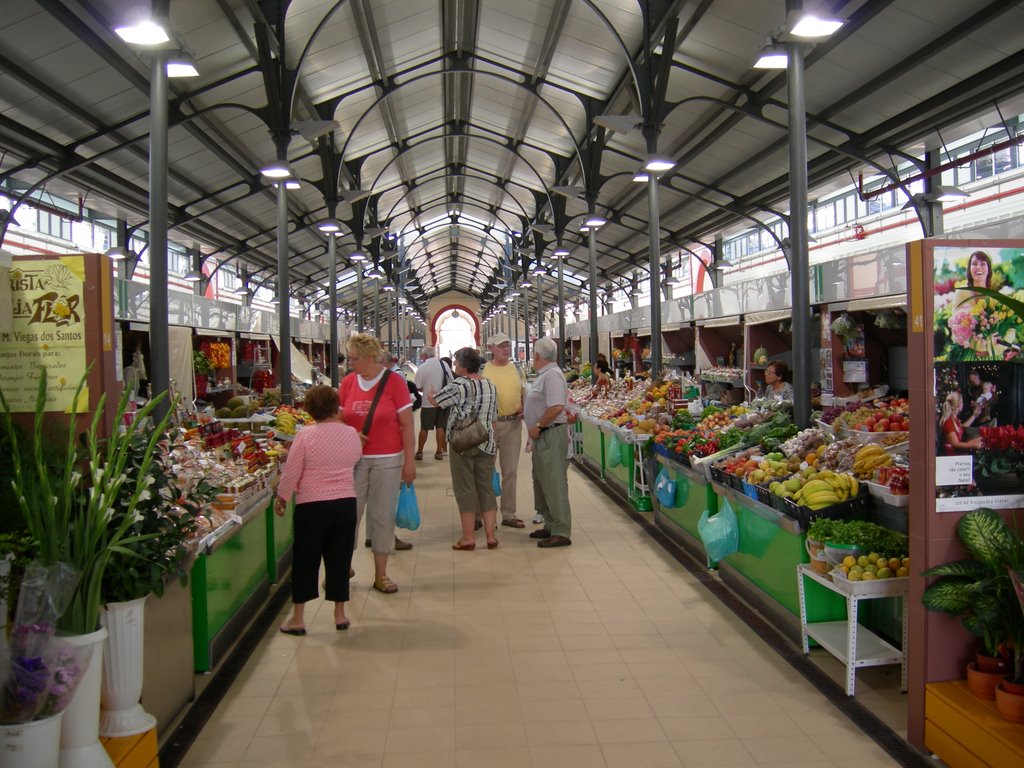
point(75, 518)
point(980, 591)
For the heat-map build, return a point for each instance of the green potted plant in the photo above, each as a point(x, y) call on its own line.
point(70, 514)
point(979, 590)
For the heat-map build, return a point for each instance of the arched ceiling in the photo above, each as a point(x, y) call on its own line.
point(462, 126)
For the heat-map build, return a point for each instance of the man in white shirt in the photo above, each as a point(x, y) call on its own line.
point(431, 377)
point(508, 429)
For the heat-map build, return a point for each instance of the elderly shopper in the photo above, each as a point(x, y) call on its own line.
point(471, 397)
point(545, 417)
point(386, 429)
point(319, 473)
point(508, 429)
point(431, 377)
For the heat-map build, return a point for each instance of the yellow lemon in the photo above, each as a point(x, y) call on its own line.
point(868, 576)
point(849, 561)
point(863, 561)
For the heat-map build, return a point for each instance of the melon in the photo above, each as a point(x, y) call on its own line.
point(223, 413)
point(235, 402)
point(241, 412)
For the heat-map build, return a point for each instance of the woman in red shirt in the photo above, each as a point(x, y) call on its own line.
point(388, 448)
point(951, 428)
point(319, 473)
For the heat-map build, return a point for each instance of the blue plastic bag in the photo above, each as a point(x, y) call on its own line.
point(614, 451)
point(720, 534)
point(408, 513)
point(496, 483)
point(665, 488)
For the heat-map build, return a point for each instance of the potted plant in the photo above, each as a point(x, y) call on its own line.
point(979, 590)
point(75, 518)
point(157, 551)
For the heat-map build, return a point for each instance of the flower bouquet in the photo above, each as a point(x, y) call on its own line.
point(983, 327)
point(1002, 450)
point(40, 671)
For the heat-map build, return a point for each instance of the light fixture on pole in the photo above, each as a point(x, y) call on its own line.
point(278, 169)
point(594, 221)
point(812, 22)
point(181, 64)
point(539, 270)
point(641, 177)
point(525, 283)
point(560, 251)
point(658, 164)
point(329, 225)
point(193, 276)
point(116, 253)
point(357, 257)
point(772, 56)
point(290, 184)
point(145, 30)
point(939, 194)
point(388, 287)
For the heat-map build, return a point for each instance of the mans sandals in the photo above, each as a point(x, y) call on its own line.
point(540, 533)
point(439, 456)
point(385, 585)
point(554, 541)
point(459, 547)
point(294, 631)
point(419, 456)
point(514, 522)
point(402, 546)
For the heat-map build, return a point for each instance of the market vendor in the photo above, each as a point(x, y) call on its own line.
point(775, 385)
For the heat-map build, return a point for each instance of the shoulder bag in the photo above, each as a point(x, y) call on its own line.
point(470, 432)
point(365, 434)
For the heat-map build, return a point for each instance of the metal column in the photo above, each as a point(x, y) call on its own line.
point(561, 311)
point(802, 338)
point(654, 262)
point(540, 306)
point(284, 360)
point(360, 324)
point(159, 336)
point(332, 255)
point(592, 244)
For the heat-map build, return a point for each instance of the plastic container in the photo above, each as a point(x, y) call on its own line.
point(896, 585)
point(883, 493)
point(836, 553)
point(862, 436)
point(844, 510)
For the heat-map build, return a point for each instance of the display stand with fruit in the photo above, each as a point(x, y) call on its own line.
point(850, 642)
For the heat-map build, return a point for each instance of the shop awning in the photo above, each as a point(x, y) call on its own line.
point(878, 302)
point(719, 322)
point(770, 316)
point(302, 369)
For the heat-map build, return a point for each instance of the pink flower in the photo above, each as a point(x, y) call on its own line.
point(962, 326)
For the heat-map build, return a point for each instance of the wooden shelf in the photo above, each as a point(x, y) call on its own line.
point(965, 731)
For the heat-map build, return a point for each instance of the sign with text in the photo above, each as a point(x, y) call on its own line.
point(47, 329)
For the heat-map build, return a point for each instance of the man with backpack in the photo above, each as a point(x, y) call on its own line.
point(431, 377)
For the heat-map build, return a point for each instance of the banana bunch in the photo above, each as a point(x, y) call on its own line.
point(870, 456)
point(825, 489)
point(285, 423)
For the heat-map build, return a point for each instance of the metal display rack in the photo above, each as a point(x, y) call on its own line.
point(850, 642)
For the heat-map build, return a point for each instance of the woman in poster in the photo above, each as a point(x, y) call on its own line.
point(951, 429)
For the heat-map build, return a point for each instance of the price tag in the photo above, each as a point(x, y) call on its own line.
point(954, 470)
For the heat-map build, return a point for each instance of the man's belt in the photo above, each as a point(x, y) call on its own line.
point(513, 417)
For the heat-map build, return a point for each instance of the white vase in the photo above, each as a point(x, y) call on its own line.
point(31, 745)
point(121, 714)
point(79, 731)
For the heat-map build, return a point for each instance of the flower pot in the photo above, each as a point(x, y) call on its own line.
point(31, 745)
point(1009, 705)
point(79, 732)
point(988, 663)
point(1017, 689)
point(122, 714)
point(981, 684)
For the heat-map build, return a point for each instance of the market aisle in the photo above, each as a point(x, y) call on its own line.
point(607, 653)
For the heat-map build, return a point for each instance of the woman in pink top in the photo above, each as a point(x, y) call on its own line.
point(319, 472)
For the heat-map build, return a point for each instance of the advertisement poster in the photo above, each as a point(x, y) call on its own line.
point(979, 379)
point(48, 329)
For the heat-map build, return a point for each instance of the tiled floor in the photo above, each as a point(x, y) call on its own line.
point(607, 653)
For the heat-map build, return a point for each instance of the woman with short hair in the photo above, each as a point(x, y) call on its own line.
point(470, 396)
point(387, 450)
point(319, 473)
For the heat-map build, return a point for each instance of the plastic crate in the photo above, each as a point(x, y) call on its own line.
point(661, 450)
point(844, 510)
point(718, 476)
point(757, 492)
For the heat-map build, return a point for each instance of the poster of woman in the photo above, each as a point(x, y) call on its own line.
point(979, 381)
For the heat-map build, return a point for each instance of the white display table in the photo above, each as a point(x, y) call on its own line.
point(848, 641)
